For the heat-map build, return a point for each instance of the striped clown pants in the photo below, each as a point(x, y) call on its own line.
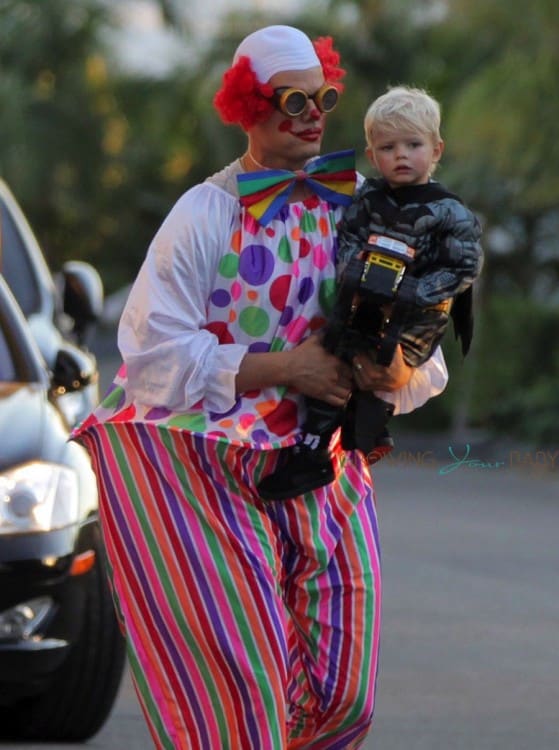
point(249, 625)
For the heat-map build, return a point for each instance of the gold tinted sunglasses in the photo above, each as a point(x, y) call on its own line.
point(292, 102)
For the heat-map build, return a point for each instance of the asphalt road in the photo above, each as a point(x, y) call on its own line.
point(470, 645)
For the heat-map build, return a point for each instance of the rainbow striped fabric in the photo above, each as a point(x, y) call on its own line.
point(332, 177)
point(250, 625)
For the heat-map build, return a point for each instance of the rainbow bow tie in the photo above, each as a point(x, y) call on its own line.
point(331, 177)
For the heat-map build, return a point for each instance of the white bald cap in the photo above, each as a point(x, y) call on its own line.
point(274, 49)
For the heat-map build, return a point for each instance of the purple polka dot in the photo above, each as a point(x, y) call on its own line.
point(259, 346)
point(221, 298)
point(260, 436)
point(286, 316)
point(283, 213)
point(216, 415)
point(158, 412)
point(306, 289)
point(256, 264)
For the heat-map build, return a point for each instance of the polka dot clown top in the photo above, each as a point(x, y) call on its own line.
point(214, 286)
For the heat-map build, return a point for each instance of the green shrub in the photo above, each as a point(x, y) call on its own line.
point(509, 383)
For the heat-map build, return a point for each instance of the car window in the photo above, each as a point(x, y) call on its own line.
point(7, 365)
point(16, 266)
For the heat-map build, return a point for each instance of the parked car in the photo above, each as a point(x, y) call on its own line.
point(60, 311)
point(61, 651)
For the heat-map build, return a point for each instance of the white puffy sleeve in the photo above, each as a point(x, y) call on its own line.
point(171, 359)
point(427, 380)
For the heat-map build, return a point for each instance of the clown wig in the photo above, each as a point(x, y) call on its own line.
point(245, 100)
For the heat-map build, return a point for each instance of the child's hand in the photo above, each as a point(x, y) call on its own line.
point(370, 376)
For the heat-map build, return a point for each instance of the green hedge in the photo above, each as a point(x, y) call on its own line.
point(509, 383)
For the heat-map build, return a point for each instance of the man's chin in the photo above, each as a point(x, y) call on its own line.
point(311, 149)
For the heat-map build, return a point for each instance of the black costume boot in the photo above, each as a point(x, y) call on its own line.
point(384, 444)
point(305, 469)
point(365, 426)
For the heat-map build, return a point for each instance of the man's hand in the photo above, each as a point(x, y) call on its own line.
point(316, 373)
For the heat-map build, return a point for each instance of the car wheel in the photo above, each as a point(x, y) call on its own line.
point(83, 692)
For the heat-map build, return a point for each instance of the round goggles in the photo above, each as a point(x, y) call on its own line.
point(293, 102)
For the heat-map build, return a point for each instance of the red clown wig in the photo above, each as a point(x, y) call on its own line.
point(243, 100)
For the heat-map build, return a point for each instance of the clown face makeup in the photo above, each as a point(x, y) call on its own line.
point(287, 142)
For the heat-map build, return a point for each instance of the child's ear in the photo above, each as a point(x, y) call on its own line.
point(371, 157)
point(438, 152)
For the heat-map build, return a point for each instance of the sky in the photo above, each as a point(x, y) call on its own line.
point(205, 11)
point(144, 41)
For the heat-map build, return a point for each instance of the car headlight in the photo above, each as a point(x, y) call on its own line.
point(23, 620)
point(38, 496)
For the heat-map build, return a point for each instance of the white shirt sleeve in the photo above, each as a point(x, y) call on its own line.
point(171, 359)
point(427, 380)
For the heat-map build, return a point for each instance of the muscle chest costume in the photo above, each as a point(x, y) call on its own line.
point(445, 235)
point(429, 218)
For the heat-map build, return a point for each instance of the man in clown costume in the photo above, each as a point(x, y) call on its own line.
point(251, 625)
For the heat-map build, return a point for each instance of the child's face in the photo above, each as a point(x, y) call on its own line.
point(404, 158)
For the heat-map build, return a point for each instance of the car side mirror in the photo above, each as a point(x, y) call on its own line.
point(73, 370)
point(82, 296)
